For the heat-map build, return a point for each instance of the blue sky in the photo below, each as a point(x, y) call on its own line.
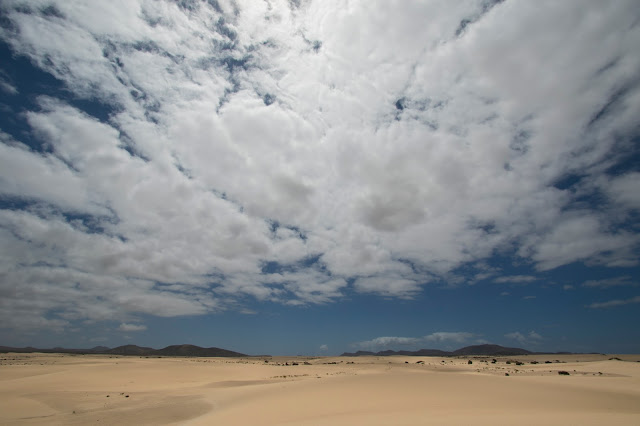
point(314, 177)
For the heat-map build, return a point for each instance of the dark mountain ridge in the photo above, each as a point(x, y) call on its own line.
point(174, 350)
point(191, 350)
point(485, 350)
point(197, 351)
point(129, 350)
point(490, 350)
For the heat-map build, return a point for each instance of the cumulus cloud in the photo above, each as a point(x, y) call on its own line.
point(614, 303)
point(392, 286)
point(293, 154)
point(623, 190)
point(443, 336)
point(610, 282)
point(6, 86)
point(529, 338)
point(515, 279)
point(394, 341)
point(388, 341)
point(132, 327)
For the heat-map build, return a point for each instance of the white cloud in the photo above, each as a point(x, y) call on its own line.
point(6, 86)
point(516, 279)
point(443, 336)
point(530, 338)
point(582, 238)
point(324, 348)
point(534, 336)
point(623, 190)
point(516, 335)
point(610, 282)
point(614, 303)
point(392, 286)
point(388, 342)
point(392, 153)
point(132, 327)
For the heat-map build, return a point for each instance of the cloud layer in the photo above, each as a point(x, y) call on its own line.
point(529, 338)
point(446, 338)
point(297, 152)
point(614, 303)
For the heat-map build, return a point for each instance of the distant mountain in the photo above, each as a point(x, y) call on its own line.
point(490, 350)
point(130, 350)
point(430, 352)
point(359, 353)
point(5, 349)
point(56, 350)
point(191, 350)
point(486, 350)
point(175, 350)
point(421, 352)
point(197, 351)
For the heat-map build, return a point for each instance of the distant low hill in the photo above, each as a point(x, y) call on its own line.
point(191, 350)
point(174, 350)
point(130, 350)
point(197, 351)
point(486, 350)
point(490, 350)
point(57, 350)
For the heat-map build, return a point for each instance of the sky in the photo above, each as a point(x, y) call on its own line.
point(314, 177)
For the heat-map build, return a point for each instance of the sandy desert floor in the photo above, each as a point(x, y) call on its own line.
point(55, 389)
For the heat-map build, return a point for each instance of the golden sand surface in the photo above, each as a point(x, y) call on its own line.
point(54, 389)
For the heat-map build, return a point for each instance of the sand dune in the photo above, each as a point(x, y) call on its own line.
point(96, 389)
